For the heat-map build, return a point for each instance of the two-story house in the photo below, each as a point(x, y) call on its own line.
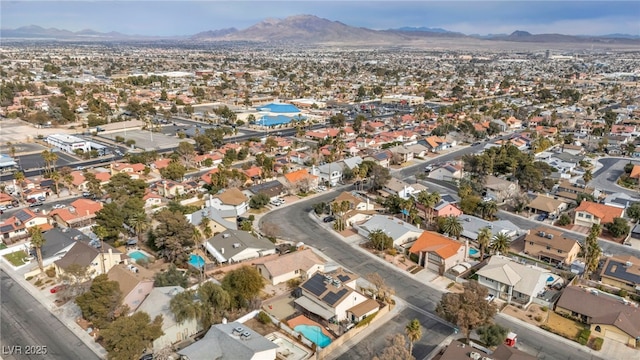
point(330, 173)
point(135, 283)
point(499, 189)
point(549, 245)
point(233, 200)
point(590, 213)
point(511, 281)
point(437, 252)
point(622, 272)
point(96, 261)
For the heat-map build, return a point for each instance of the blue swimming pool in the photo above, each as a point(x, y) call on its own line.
point(314, 334)
point(137, 255)
point(473, 251)
point(196, 261)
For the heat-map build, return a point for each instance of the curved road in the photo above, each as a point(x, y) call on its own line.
point(24, 322)
point(296, 225)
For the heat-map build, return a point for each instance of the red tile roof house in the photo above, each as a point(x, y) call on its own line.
point(589, 213)
point(81, 212)
point(437, 252)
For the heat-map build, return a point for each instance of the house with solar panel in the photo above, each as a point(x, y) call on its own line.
point(333, 297)
point(274, 114)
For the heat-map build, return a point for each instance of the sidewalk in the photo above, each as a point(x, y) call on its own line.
point(58, 312)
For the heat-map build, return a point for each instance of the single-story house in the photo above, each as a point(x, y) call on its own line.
point(471, 226)
point(232, 340)
point(606, 316)
point(400, 231)
point(232, 246)
point(622, 272)
point(542, 204)
point(295, 265)
point(157, 303)
point(448, 172)
point(499, 189)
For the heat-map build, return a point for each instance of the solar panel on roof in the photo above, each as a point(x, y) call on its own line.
point(315, 285)
point(331, 298)
point(22, 215)
point(344, 278)
point(6, 228)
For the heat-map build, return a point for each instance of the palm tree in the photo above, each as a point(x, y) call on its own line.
point(484, 240)
point(490, 208)
point(450, 225)
point(68, 181)
point(37, 241)
point(19, 177)
point(139, 223)
point(587, 177)
point(55, 176)
point(501, 243)
point(414, 333)
point(428, 200)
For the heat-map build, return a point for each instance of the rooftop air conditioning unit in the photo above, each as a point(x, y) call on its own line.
point(628, 264)
point(239, 329)
point(236, 245)
point(541, 233)
point(246, 335)
point(224, 236)
point(475, 355)
point(549, 236)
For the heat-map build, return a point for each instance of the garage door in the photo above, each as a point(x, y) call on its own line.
point(616, 336)
point(433, 267)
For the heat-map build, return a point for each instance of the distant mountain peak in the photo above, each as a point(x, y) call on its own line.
point(520, 33)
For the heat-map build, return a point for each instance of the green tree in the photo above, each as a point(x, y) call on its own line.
point(587, 176)
point(492, 335)
point(633, 211)
point(501, 243)
point(258, 201)
point(564, 220)
point(174, 171)
point(183, 306)
point(340, 209)
point(111, 218)
point(121, 187)
point(379, 240)
point(139, 223)
point(414, 333)
point(450, 225)
point(380, 176)
point(215, 302)
point(592, 250)
point(173, 236)
point(428, 201)
point(357, 123)
point(243, 284)
point(100, 304)
point(619, 227)
point(128, 336)
point(469, 309)
point(37, 241)
point(171, 277)
point(55, 176)
point(484, 240)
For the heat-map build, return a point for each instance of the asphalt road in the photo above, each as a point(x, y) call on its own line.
point(295, 222)
point(296, 225)
point(26, 325)
point(605, 178)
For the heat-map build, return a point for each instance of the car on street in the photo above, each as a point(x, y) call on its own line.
point(86, 194)
point(3, 208)
point(428, 168)
point(35, 204)
point(329, 219)
point(58, 206)
point(487, 199)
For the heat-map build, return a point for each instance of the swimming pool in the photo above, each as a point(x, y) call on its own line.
point(473, 251)
point(137, 255)
point(314, 334)
point(196, 261)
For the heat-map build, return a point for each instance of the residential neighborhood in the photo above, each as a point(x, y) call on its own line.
point(195, 202)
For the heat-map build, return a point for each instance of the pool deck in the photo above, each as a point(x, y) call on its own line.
point(303, 320)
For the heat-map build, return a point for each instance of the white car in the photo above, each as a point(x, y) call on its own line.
point(487, 199)
point(3, 208)
point(490, 298)
point(58, 206)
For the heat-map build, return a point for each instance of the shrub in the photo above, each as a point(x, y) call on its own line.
point(450, 284)
point(545, 309)
point(622, 293)
point(596, 344)
point(29, 278)
point(38, 282)
point(367, 320)
point(538, 318)
point(392, 252)
point(51, 272)
point(583, 336)
point(563, 220)
point(264, 318)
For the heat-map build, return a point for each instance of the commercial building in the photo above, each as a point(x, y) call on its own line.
point(68, 143)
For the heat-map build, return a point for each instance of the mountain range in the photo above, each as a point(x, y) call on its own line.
point(310, 29)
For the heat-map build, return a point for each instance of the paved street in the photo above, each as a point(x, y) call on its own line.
point(24, 322)
point(296, 225)
point(605, 178)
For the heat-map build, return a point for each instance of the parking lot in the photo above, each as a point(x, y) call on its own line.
point(147, 140)
point(35, 161)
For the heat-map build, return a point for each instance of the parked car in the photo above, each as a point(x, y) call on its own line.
point(329, 219)
point(35, 204)
point(428, 168)
point(542, 217)
point(3, 208)
point(275, 203)
point(86, 194)
point(42, 198)
point(490, 298)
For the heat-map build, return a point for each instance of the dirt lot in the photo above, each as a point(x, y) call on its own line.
point(16, 131)
point(533, 315)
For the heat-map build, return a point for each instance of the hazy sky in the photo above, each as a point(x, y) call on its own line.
point(163, 18)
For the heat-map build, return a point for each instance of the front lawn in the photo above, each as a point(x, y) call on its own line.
point(564, 327)
point(16, 258)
